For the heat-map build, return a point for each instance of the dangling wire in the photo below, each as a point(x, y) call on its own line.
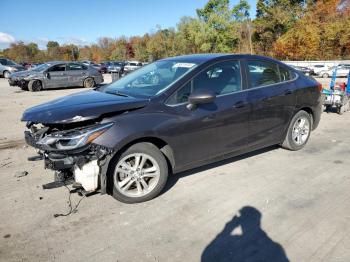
point(72, 210)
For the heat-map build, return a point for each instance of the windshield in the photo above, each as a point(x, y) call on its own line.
point(10, 63)
point(150, 80)
point(40, 68)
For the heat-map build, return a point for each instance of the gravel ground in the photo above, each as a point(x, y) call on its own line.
point(296, 203)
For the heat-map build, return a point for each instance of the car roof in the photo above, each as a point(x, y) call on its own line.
point(61, 62)
point(202, 58)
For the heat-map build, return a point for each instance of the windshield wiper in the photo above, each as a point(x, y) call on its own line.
point(118, 93)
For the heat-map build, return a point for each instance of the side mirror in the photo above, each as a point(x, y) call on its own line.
point(200, 96)
point(47, 74)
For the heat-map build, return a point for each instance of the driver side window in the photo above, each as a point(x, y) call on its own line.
point(222, 78)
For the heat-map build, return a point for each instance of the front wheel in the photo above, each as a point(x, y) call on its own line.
point(298, 132)
point(6, 74)
point(140, 173)
point(325, 75)
point(35, 85)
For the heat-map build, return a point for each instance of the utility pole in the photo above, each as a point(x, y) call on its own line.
point(250, 37)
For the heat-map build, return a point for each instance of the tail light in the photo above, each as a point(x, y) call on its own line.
point(320, 87)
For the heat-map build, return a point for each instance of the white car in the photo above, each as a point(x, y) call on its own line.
point(319, 68)
point(342, 71)
point(132, 66)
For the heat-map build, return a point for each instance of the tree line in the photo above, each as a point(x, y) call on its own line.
point(284, 29)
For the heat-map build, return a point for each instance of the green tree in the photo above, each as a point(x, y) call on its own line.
point(273, 19)
point(53, 50)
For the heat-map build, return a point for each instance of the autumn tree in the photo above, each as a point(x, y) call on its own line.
point(273, 19)
point(322, 33)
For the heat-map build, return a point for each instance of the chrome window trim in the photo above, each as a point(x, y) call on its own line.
point(296, 76)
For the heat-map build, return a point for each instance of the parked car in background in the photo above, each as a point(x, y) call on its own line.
point(305, 70)
point(87, 62)
point(106, 64)
point(131, 66)
point(101, 67)
point(26, 65)
point(172, 115)
point(319, 68)
point(56, 75)
point(8, 66)
point(116, 67)
point(342, 71)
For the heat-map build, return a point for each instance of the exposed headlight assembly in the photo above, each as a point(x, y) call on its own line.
point(73, 139)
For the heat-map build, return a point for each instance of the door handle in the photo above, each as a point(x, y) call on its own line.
point(287, 92)
point(240, 104)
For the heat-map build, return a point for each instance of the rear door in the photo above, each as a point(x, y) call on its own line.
point(271, 94)
point(56, 76)
point(76, 73)
point(213, 129)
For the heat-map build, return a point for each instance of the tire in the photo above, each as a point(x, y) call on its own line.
point(298, 133)
point(325, 75)
point(134, 189)
point(35, 85)
point(6, 74)
point(89, 82)
point(341, 110)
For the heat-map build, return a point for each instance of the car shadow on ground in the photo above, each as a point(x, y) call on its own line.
point(173, 178)
point(242, 239)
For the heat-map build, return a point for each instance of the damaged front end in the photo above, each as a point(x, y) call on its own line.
point(69, 150)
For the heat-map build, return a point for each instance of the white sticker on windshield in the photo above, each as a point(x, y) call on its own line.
point(185, 65)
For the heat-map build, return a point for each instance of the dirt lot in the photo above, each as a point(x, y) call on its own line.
point(303, 199)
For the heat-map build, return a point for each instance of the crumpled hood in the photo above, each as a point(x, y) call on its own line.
point(19, 67)
point(21, 74)
point(81, 106)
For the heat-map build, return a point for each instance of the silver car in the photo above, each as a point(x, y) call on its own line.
point(7, 67)
point(57, 75)
point(343, 70)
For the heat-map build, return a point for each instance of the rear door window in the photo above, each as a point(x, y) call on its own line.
point(75, 67)
point(263, 73)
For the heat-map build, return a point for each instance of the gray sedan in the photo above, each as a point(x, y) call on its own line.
point(57, 75)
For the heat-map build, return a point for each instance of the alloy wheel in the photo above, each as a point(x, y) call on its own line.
point(301, 131)
point(136, 175)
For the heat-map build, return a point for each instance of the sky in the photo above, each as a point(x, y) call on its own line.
point(84, 21)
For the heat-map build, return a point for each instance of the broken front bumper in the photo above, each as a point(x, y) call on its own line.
point(87, 165)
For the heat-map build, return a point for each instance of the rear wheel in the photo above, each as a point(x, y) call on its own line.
point(35, 85)
point(298, 132)
point(89, 82)
point(140, 173)
point(6, 74)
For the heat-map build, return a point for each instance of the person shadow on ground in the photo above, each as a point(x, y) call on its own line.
point(251, 244)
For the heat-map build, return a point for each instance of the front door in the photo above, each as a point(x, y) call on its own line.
point(56, 76)
point(214, 129)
